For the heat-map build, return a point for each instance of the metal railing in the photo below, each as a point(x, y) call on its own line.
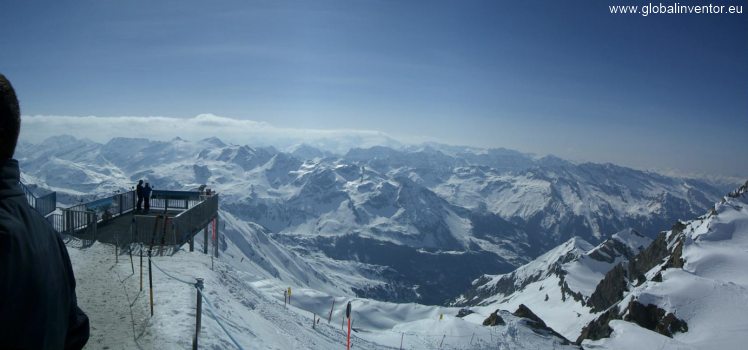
point(188, 223)
point(44, 204)
point(57, 222)
point(109, 207)
point(197, 211)
point(78, 222)
point(162, 231)
point(161, 199)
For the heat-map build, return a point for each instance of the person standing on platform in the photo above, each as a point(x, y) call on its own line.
point(147, 197)
point(139, 193)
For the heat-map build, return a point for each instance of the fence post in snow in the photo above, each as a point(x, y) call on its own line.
point(132, 264)
point(442, 342)
point(141, 267)
point(402, 335)
point(329, 318)
point(116, 248)
point(150, 279)
point(199, 311)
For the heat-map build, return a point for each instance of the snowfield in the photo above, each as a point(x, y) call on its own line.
point(251, 309)
point(710, 292)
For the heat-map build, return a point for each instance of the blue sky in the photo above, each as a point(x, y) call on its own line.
point(548, 77)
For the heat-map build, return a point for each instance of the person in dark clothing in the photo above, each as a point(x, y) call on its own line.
point(147, 196)
point(139, 193)
point(38, 306)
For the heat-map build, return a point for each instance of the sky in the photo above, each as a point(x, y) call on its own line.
point(663, 92)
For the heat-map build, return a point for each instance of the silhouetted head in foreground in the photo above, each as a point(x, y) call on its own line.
point(10, 119)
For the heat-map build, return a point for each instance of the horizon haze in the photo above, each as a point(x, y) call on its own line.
point(654, 92)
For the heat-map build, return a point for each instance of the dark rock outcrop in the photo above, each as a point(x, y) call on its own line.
point(536, 323)
point(676, 258)
point(610, 289)
point(648, 316)
point(598, 328)
point(648, 258)
point(654, 318)
point(464, 312)
point(494, 319)
point(525, 312)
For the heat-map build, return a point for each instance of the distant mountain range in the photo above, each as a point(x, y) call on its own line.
point(410, 224)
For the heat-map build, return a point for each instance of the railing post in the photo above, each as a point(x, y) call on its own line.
point(95, 225)
point(215, 234)
point(198, 311)
point(205, 240)
point(67, 220)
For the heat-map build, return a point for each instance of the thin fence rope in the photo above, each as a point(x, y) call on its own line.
point(207, 303)
point(191, 284)
point(210, 309)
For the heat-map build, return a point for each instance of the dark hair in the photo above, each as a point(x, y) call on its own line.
point(10, 119)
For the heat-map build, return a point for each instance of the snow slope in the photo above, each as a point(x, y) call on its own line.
point(251, 309)
point(702, 281)
point(557, 285)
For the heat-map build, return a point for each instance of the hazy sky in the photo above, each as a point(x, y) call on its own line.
point(559, 77)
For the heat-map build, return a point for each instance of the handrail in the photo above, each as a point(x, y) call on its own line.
point(109, 207)
point(176, 230)
point(192, 220)
point(44, 204)
point(79, 222)
point(163, 199)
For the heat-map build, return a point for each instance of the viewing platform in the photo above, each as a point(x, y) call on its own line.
point(174, 218)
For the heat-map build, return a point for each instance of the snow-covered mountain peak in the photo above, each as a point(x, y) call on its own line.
point(213, 142)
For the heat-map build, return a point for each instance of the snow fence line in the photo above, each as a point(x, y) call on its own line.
point(198, 287)
point(438, 338)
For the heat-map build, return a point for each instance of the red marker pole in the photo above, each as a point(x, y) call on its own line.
point(348, 315)
point(348, 344)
